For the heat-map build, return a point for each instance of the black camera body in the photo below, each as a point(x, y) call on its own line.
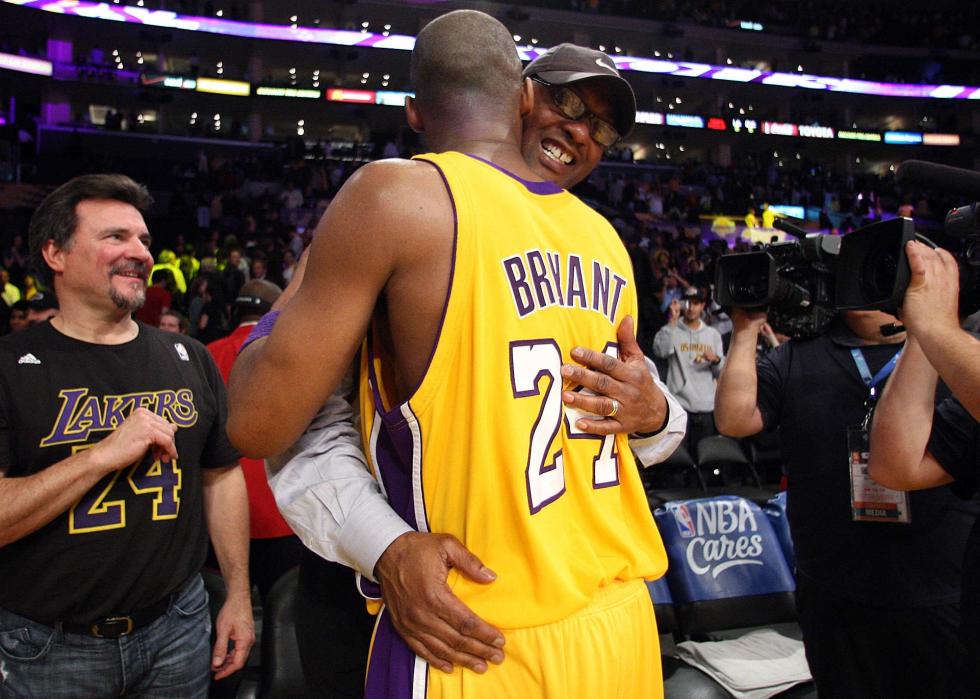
point(804, 283)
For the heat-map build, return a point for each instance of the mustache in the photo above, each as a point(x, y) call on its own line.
point(138, 268)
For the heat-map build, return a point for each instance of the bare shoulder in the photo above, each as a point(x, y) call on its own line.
point(393, 198)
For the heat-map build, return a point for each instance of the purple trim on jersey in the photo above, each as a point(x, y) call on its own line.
point(391, 670)
point(393, 457)
point(533, 187)
point(368, 588)
point(261, 329)
point(395, 447)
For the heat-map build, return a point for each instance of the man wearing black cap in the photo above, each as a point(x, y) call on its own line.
point(694, 352)
point(273, 548)
point(582, 106)
point(42, 306)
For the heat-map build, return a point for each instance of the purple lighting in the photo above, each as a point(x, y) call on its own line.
point(402, 42)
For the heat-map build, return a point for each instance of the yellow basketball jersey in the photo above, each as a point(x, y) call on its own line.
point(484, 449)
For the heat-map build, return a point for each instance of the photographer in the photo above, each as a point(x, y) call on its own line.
point(877, 585)
point(914, 446)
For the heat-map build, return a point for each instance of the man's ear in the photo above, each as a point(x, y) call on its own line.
point(54, 255)
point(414, 116)
point(527, 97)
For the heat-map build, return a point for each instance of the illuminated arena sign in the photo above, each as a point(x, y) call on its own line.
point(273, 91)
point(654, 118)
point(808, 131)
point(778, 128)
point(859, 136)
point(401, 42)
point(905, 138)
point(356, 96)
point(23, 64)
point(688, 121)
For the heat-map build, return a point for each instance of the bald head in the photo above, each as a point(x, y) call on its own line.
point(466, 61)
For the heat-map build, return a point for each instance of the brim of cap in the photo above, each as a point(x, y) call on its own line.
point(620, 94)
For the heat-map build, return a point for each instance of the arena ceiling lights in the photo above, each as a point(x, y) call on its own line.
point(401, 42)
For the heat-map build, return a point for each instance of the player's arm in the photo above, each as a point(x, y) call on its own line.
point(899, 457)
point(226, 514)
point(325, 491)
point(737, 411)
point(930, 312)
point(277, 386)
point(30, 502)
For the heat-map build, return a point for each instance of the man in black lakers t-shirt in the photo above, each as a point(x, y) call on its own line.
point(115, 466)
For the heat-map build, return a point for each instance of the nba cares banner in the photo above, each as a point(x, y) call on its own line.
point(722, 547)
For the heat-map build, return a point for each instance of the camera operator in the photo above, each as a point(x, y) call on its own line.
point(878, 572)
point(915, 446)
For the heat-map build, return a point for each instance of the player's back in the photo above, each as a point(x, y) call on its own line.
point(483, 448)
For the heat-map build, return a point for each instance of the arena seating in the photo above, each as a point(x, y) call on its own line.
point(735, 471)
point(727, 571)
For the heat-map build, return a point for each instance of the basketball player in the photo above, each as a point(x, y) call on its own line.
point(326, 492)
point(486, 277)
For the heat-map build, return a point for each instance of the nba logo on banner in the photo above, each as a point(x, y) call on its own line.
point(685, 525)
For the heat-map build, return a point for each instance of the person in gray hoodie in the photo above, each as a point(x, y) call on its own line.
point(694, 354)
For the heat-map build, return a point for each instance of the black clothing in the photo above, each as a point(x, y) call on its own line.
point(333, 628)
point(846, 643)
point(877, 601)
point(955, 444)
point(812, 390)
point(140, 532)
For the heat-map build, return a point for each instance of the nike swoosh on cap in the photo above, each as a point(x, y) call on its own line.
point(599, 62)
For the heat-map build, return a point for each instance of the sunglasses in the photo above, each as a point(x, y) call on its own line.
point(572, 107)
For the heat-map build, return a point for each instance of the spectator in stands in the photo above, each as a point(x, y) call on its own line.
point(259, 268)
point(174, 322)
point(168, 260)
point(878, 572)
point(31, 288)
point(11, 294)
point(694, 353)
point(288, 265)
point(41, 307)
point(158, 299)
point(291, 197)
point(18, 316)
point(207, 311)
point(232, 274)
point(15, 257)
point(296, 243)
point(274, 549)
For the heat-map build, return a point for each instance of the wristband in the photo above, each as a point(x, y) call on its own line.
point(262, 329)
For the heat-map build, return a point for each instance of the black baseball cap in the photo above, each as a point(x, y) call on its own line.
point(42, 301)
point(569, 63)
point(692, 293)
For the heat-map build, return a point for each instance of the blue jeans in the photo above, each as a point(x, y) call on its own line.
point(169, 658)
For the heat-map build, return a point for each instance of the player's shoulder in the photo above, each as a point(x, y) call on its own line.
point(384, 176)
point(393, 200)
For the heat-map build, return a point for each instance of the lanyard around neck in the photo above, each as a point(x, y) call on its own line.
point(872, 381)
